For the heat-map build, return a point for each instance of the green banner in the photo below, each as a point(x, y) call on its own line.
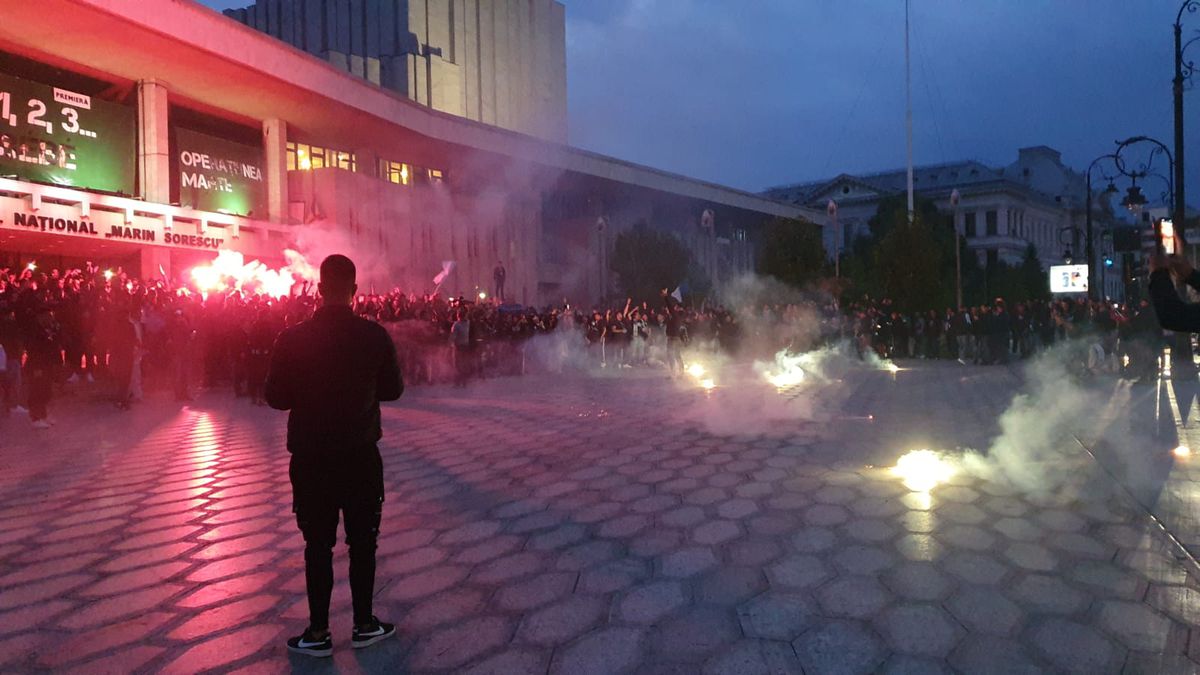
point(57, 136)
point(214, 174)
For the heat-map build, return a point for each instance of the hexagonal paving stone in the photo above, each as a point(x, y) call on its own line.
point(777, 616)
point(923, 522)
point(1104, 578)
point(688, 561)
point(1060, 520)
point(798, 571)
point(692, 635)
point(856, 597)
point(1135, 625)
point(655, 542)
point(903, 664)
point(920, 547)
point(511, 661)
point(1031, 556)
point(923, 630)
point(1018, 529)
point(983, 609)
point(750, 657)
point(754, 551)
point(1180, 602)
point(834, 495)
point(963, 514)
point(535, 591)
point(813, 539)
point(587, 554)
point(1155, 567)
point(459, 643)
point(918, 581)
point(1074, 647)
point(877, 507)
point(1047, 593)
point(1005, 506)
point(839, 647)
point(825, 515)
point(684, 516)
point(612, 576)
point(961, 495)
point(716, 532)
point(967, 537)
point(869, 530)
point(734, 509)
point(563, 620)
point(730, 585)
point(1081, 545)
point(601, 652)
point(987, 655)
point(975, 568)
point(864, 559)
point(650, 602)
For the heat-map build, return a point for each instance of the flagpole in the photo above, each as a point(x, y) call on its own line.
point(908, 111)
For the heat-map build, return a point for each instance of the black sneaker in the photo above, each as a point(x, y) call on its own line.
point(365, 636)
point(304, 643)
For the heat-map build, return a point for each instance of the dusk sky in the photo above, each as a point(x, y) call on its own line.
point(761, 93)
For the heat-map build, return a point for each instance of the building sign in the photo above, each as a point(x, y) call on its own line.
point(1068, 279)
point(219, 175)
point(51, 135)
point(149, 232)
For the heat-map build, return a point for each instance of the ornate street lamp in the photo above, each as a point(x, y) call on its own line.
point(1091, 254)
point(1183, 72)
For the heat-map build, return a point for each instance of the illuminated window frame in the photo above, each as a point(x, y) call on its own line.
point(305, 157)
point(395, 172)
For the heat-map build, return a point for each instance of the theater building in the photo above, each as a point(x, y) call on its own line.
point(152, 133)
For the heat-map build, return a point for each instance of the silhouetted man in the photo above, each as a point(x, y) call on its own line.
point(331, 372)
point(499, 275)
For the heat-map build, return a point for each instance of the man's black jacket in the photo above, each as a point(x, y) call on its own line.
point(331, 372)
point(1173, 312)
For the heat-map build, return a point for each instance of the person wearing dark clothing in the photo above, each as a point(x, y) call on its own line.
point(1173, 313)
point(498, 276)
point(330, 373)
point(43, 350)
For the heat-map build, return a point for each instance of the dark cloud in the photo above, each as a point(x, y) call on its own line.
point(761, 92)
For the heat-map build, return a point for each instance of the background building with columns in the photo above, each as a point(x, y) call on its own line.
point(1002, 210)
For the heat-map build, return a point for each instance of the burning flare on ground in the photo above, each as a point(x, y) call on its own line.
point(922, 470)
point(785, 371)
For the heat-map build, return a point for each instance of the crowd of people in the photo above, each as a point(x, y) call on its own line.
point(121, 335)
point(1116, 337)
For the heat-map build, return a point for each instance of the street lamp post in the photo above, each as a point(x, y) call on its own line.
point(832, 210)
point(954, 199)
point(1183, 71)
point(1091, 254)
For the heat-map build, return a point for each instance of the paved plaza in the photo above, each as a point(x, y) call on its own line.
point(603, 525)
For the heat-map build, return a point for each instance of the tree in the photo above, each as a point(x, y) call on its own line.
point(647, 260)
point(909, 260)
point(792, 252)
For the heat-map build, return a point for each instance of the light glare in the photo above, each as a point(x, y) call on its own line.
point(922, 470)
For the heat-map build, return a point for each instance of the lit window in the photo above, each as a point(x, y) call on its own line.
point(394, 172)
point(305, 157)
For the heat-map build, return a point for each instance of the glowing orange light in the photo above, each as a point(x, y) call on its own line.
point(1182, 451)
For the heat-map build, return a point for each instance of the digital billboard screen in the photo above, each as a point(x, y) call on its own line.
point(214, 174)
point(1069, 279)
point(57, 136)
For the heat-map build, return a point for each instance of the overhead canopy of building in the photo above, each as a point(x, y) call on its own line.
point(228, 70)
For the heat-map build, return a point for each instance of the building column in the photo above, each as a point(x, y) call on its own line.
point(275, 150)
point(154, 165)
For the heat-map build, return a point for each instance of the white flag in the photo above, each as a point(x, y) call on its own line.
point(447, 268)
